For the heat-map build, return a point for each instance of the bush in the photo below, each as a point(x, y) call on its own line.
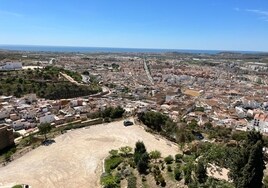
point(143, 178)
point(169, 168)
point(177, 174)
point(109, 181)
point(112, 163)
point(17, 186)
point(169, 159)
point(132, 182)
point(178, 158)
point(162, 180)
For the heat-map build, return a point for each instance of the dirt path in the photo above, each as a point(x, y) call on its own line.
point(75, 160)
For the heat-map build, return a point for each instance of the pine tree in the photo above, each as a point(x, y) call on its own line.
point(201, 172)
point(248, 166)
point(141, 157)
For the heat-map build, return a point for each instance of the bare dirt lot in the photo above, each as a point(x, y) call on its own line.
point(76, 158)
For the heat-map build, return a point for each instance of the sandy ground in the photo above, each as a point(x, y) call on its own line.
point(217, 172)
point(75, 160)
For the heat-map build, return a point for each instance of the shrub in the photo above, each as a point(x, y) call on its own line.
point(132, 182)
point(178, 157)
point(143, 178)
point(169, 159)
point(109, 181)
point(169, 168)
point(17, 186)
point(112, 163)
point(162, 180)
point(177, 174)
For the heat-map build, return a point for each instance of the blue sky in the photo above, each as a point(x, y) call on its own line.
point(173, 24)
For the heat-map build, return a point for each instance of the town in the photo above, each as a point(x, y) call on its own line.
point(225, 90)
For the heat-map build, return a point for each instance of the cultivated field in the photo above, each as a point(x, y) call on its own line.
point(76, 159)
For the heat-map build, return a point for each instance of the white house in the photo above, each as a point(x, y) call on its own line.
point(11, 66)
point(47, 118)
point(260, 122)
point(240, 112)
point(5, 112)
point(19, 124)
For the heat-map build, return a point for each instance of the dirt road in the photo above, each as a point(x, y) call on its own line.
point(75, 160)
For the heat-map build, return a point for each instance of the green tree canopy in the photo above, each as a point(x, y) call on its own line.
point(248, 165)
point(44, 128)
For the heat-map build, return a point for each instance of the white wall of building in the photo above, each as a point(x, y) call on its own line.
point(47, 118)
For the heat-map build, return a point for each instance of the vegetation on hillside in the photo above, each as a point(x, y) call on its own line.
point(46, 83)
point(109, 113)
point(240, 152)
point(141, 168)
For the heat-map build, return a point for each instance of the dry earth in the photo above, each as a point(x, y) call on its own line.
point(76, 159)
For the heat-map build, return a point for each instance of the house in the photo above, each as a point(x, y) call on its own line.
point(5, 112)
point(260, 122)
point(6, 136)
point(47, 118)
point(19, 124)
point(240, 112)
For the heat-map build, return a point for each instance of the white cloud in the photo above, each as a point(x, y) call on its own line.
point(8, 13)
point(262, 14)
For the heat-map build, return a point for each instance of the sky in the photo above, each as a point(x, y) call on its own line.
point(162, 24)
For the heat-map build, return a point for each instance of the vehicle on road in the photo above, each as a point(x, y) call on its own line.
point(128, 123)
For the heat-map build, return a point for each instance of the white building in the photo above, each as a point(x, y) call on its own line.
point(11, 66)
point(240, 112)
point(5, 112)
point(19, 124)
point(47, 118)
point(260, 122)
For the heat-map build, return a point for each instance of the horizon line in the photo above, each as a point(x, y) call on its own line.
point(142, 48)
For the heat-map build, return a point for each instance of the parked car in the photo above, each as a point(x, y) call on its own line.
point(197, 135)
point(128, 123)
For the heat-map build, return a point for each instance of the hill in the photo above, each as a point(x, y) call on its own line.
point(46, 83)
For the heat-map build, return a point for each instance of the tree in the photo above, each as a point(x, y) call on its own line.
point(253, 171)
point(201, 172)
point(155, 155)
point(142, 165)
point(117, 112)
point(141, 157)
point(44, 128)
point(125, 151)
point(139, 150)
point(248, 165)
